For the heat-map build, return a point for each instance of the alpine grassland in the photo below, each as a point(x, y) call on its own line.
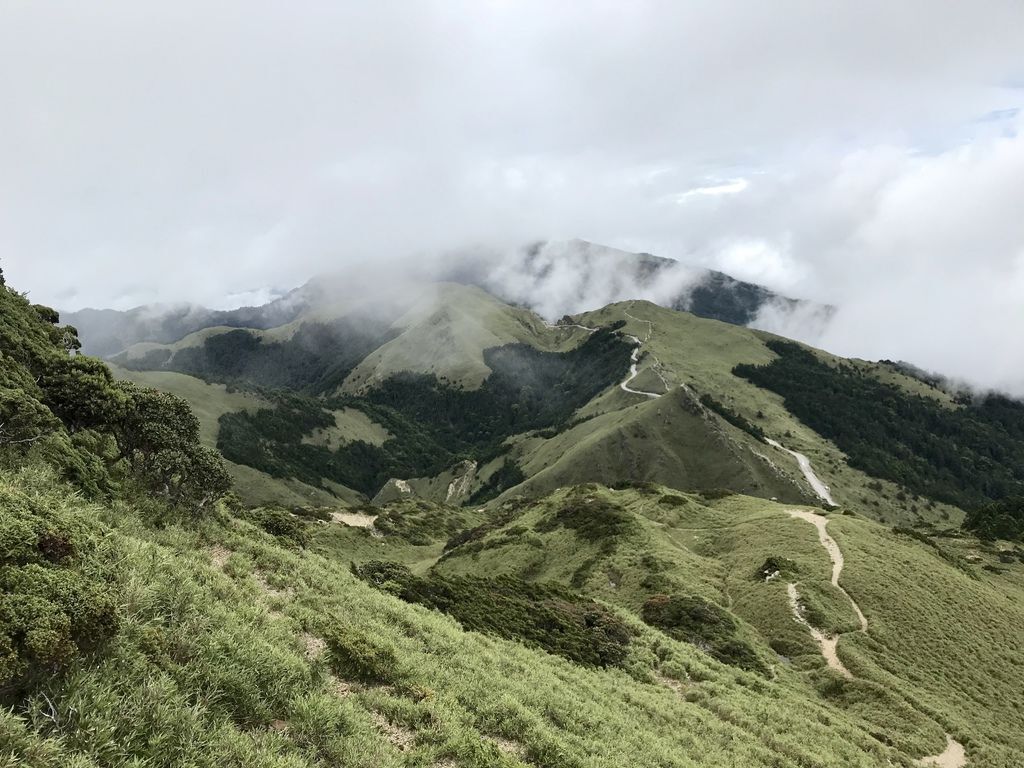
point(153, 614)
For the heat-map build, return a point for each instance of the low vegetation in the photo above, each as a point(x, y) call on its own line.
point(732, 417)
point(700, 622)
point(545, 616)
point(58, 589)
point(147, 619)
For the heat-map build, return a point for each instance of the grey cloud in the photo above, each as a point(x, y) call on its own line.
point(195, 151)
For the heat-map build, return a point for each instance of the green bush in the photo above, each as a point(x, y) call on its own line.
point(672, 500)
point(418, 522)
point(313, 513)
point(465, 539)
point(159, 435)
point(999, 520)
point(593, 518)
point(543, 615)
point(282, 525)
point(56, 603)
point(775, 564)
point(914, 534)
point(714, 494)
point(700, 622)
point(355, 655)
point(732, 417)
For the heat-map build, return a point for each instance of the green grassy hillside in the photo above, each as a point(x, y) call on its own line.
point(233, 646)
point(702, 355)
point(445, 333)
point(672, 440)
point(939, 654)
point(148, 618)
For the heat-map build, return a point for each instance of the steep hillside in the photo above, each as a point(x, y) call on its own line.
point(673, 440)
point(702, 356)
point(923, 627)
point(457, 375)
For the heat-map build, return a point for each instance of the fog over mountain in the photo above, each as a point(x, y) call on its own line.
point(553, 278)
point(868, 156)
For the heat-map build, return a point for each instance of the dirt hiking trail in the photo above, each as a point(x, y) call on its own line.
point(835, 554)
point(805, 467)
point(635, 358)
point(954, 756)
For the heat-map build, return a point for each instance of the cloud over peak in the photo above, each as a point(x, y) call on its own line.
point(867, 155)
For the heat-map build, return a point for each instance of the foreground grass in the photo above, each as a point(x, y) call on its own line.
point(219, 662)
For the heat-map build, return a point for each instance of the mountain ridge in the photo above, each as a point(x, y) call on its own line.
point(520, 276)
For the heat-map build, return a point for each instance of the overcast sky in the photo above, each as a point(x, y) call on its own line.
point(868, 154)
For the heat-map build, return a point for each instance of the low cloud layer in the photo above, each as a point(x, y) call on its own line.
point(868, 155)
point(557, 278)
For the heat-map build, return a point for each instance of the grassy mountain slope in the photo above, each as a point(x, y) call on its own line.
point(701, 354)
point(236, 648)
point(968, 455)
point(432, 424)
point(940, 650)
point(445, 333)
point(708, 427)
point(672, 440)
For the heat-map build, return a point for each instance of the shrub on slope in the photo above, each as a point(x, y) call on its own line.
point(66, 410)
point(546, 616)
point(57, 587)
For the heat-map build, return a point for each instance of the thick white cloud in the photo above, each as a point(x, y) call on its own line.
point(199, 150)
